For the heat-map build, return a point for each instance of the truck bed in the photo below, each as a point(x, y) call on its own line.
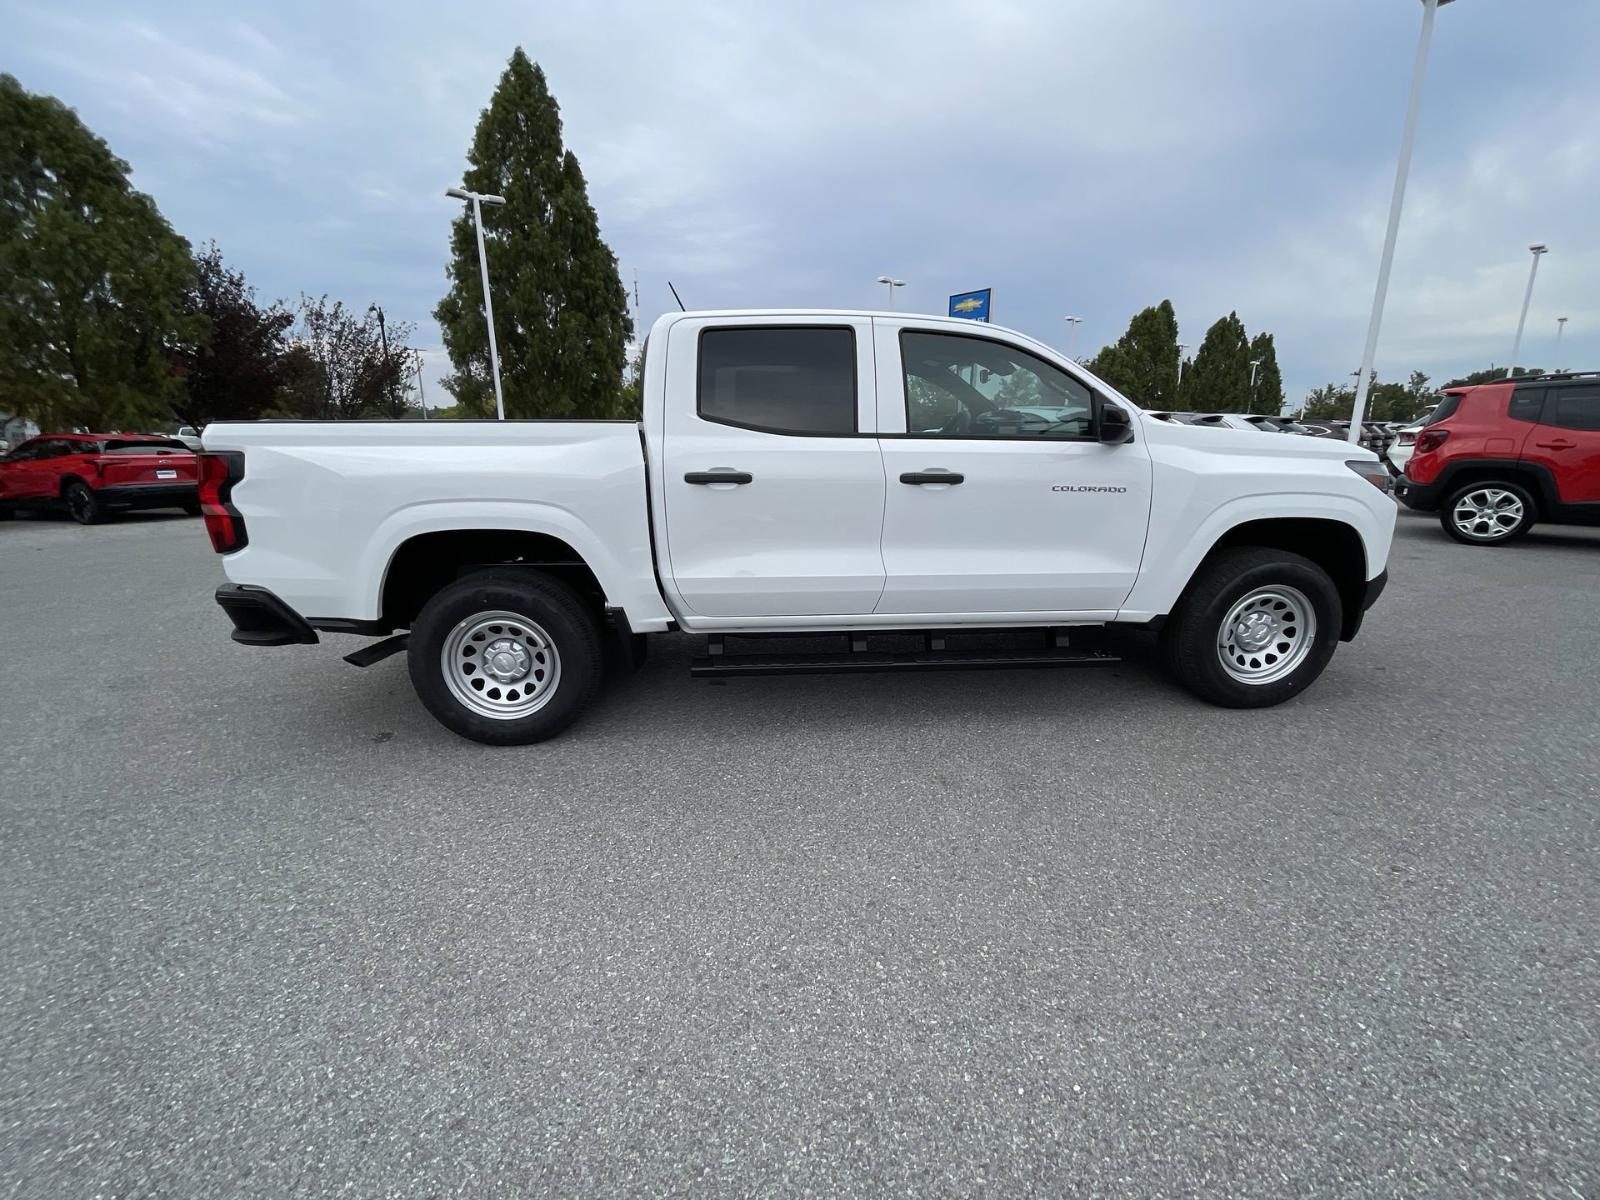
point(328, 503)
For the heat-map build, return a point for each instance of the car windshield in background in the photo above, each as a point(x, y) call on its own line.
point(145, 447)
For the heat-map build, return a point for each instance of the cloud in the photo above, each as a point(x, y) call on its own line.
point(1089, 158)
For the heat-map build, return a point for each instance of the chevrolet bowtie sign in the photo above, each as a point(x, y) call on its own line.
point(974, 306)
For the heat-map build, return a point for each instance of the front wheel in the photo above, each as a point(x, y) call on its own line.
point(1488, 513)
point(505, 657)
point(1256, 627)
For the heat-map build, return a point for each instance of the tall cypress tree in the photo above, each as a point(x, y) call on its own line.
point(1143, 362)
point(560, 311)
point(1219, 378)
point(1267, 395)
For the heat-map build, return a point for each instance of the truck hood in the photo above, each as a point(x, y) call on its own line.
point(1250, 442)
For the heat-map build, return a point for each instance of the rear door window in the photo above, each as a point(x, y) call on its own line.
point(1573, 408)
point(796, 379)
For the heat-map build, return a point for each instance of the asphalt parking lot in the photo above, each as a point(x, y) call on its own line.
point(269, 930)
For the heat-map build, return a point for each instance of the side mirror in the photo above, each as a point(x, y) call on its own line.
point(1113, 425)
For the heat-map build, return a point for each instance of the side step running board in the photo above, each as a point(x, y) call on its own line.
point(934, 655)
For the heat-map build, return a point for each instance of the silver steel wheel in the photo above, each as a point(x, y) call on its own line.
point(1488, 513)
point(500, 664)
point(1266, 635)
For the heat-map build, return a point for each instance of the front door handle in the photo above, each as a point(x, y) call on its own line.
point(718, 477)
point(932, 477)
point(1563, 444)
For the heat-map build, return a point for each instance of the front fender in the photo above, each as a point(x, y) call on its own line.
point(1167, 569)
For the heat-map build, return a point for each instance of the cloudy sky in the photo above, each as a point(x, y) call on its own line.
point(1079, 156)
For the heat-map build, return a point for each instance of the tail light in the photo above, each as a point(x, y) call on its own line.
point(219, 471)
point(1430, 440)
point(1408, 439)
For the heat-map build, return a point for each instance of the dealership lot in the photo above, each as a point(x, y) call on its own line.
point(270, 930)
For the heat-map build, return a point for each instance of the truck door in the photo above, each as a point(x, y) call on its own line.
point(1000, 499)
point(771, 478)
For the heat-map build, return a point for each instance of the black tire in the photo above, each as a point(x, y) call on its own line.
point(192, 507)
point(1498, 497)
point(83, 505)
point(551, 609)
point(1190, 640)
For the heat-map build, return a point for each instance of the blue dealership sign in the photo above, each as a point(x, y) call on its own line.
point(974, 306)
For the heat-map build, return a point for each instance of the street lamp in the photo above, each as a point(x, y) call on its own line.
point(1181, 349)
point(1072, 332)
point(1561, 327)
point(891, 284)
point(1402, 168)
point(383, 334)
point(479, 199)
point(1539, 250)
point(422, 392)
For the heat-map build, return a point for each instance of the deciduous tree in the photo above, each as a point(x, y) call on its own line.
point(92, 279)
point(232, 373)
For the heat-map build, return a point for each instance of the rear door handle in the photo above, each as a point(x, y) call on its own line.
point(1561, 445)
point(932, 477)
point(718, 477)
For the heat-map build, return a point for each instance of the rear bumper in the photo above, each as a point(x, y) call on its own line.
point(149, 495)
point(261, 619)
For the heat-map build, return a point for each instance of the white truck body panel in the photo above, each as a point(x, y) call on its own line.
point(826, 536)
point(328, 504)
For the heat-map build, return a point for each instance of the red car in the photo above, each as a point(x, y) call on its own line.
point(1493, 459)
point(94, 474)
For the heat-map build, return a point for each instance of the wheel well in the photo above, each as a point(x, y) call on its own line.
point(68, 480)
point(1332, 545)
point(1531, 479)
point(424, 564)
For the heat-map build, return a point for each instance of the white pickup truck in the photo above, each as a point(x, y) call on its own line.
point(800, 472)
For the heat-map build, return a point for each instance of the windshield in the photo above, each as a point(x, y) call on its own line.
point(1448, 403)
point(114, 447)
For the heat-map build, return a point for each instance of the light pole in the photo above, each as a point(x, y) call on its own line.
point(479, 199)
point(1561, 327)
point(891, 284)
point(422, 392)
point(383, 335)
point(1539, 250)
point(1396, 202)
point(1255, 365)
point(1072, 332)
point(1181, 349)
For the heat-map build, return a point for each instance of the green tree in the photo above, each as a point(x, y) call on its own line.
point(561, 315)
point(474, 394)
point(92, 279)
point(232, 372)
point(1492, 375)
point(1143, 362)
point(1267, 395)
point(1219, 379)
point(1330, 402)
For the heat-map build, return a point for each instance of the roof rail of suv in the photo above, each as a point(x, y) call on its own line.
point(1551, 376)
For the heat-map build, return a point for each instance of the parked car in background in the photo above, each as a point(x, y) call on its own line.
point(1205, 420)
point(92, 475)
point(189, 436)
point(1494, 459)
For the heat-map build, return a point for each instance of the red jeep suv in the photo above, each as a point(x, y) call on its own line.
point(1493, 459)
point(93, 474)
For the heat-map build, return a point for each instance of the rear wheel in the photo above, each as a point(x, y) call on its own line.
point(1255, 627)
point(83, 505)
point(1488, 513)
point(505, 657)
